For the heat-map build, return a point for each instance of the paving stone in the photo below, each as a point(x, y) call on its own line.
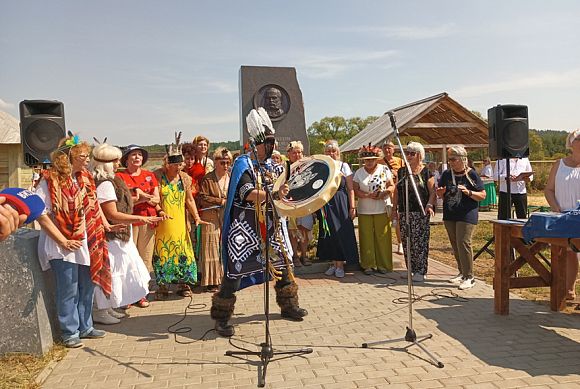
point(531, 347)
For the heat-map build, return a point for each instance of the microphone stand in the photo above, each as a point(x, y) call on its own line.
point(266, 352)
point(410, 335)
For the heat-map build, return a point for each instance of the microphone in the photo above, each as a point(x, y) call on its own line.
point(25, 202)
point(392, 117)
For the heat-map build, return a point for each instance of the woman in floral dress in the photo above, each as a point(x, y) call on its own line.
point(173, 258)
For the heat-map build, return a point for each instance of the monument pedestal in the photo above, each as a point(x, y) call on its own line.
point(28, 321)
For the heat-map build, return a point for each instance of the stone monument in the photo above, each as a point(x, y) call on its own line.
point(28, 321)
point(276, 89)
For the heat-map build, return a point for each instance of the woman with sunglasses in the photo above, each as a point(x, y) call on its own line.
point(418, 228)
point(72, 240)
point(213, 192)
point(373, 185)
point(462, 190)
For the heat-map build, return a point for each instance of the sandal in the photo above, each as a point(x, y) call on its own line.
point(143, 303)
point(306, 261)
point(185, 291)
point(297, 262)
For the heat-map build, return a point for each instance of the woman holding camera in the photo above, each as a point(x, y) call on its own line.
point(462, 189)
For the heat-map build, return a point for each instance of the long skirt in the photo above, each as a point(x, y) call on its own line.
point(129, 276)
point(210, 265)
point(419, 233)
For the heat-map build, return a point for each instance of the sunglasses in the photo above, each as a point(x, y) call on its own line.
point(410, 153)
point(224, 163)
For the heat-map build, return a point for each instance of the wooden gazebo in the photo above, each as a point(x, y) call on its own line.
point(438, 120)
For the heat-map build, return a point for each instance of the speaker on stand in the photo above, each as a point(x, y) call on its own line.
point(508, 131)
point(41, 128)
point(508, 138)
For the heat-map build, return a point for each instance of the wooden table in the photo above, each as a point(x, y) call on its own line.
point(508, 236)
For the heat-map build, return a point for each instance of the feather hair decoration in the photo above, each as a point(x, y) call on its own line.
point(175, 148)
point(259, 125)
point(97, 141)
point(266, 122)
point(255, 127)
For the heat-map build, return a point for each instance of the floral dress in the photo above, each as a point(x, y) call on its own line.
point(173, 258)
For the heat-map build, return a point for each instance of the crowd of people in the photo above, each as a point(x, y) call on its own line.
point(112, 231)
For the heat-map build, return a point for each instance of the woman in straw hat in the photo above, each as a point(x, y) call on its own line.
point(373, 185)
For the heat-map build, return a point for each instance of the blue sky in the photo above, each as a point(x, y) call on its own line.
point(137, 70)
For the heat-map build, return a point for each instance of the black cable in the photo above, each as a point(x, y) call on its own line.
point(194, 308)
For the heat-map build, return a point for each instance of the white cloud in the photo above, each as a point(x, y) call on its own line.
point(4, 106)
point(405, 32)
point(569, 79)
point(332, 65)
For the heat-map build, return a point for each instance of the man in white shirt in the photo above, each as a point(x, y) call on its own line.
point(519, 196)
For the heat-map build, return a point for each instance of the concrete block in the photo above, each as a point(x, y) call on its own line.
point(28, 321)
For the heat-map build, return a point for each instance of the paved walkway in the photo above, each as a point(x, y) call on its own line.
point(531, 347)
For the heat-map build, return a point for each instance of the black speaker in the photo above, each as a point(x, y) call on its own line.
point(508, 131)
point(41, 128)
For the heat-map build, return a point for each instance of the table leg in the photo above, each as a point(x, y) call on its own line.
point(558, 284)
point(501, 277)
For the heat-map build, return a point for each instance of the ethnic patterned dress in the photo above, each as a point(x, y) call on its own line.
point(173, 259)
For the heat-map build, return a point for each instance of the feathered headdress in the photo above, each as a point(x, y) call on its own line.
point(370, 152)
point(173, 150)
point(71, 140)
point(259, 125)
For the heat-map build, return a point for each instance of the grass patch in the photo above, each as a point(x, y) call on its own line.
point(18, 370)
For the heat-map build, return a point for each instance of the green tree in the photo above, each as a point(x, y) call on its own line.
point(335, 127)
point(536, 146)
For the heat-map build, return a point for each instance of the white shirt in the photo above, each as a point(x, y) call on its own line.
point(517, 166)
point(486, 171)
point(47, 248)
point(373, 182)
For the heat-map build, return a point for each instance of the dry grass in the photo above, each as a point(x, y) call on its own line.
point(19, 370)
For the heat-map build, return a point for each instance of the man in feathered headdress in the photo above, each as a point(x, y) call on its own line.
point(244, 233)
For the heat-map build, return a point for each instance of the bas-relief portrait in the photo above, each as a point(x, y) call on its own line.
point(275, 101)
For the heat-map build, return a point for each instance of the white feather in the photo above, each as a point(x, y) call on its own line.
point(266, 120)
point(255, 126)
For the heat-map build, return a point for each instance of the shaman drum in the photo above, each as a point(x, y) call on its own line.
point(313, 181)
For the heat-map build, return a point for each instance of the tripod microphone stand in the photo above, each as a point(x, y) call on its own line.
point(410, 335)
point(266, 352)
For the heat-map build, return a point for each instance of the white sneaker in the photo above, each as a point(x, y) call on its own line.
point(418, 278)
point(457, 279)
point(115, 314)
point(467, 283)
point(331, 271)
point(101, 316)
point(400, 249)
point(339, 273)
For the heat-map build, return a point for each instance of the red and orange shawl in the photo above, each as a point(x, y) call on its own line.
point(76, 210)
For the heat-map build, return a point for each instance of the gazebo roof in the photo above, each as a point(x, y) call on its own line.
point(437, 119)
point(9, 129)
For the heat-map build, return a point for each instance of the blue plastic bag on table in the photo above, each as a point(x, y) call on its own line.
point(552, 225)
